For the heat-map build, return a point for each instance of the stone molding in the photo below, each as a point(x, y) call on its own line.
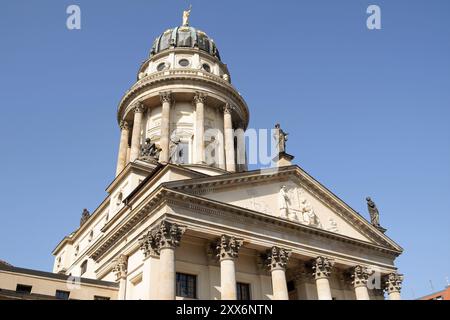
point(159, 79)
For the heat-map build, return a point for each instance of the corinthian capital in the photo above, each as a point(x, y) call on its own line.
point(228, 247)
point(227, 108)
point(322, 267)
point(393, 282)
point(169, 234)
point(149, 244)
point(277, 258)
point(123, 125)
point(138, 107)
point(120, 267)
point(360, 276)
point(200, 97)
point(165, 96)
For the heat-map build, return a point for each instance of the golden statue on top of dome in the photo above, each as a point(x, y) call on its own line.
point(186, 15)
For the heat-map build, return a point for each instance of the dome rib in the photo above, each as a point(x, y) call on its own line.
point(184, 37)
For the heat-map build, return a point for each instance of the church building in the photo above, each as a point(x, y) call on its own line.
point(184, 217)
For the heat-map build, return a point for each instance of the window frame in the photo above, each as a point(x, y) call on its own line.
point(62, 292)
point(239, 286)
point(24, 286)
point(178, 286)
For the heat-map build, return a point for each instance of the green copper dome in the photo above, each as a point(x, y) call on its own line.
point(184, 37)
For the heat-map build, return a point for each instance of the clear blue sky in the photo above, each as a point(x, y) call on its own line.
point(367, 111)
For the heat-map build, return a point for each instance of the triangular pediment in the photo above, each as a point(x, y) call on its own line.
point(289, 193)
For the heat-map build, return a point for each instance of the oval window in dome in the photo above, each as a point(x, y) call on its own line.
point(161, 66)
point(183, 62)
point(206, 67)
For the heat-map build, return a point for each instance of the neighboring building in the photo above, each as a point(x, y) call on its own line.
point(185, 219)
point(440, 295)
point(26, 284)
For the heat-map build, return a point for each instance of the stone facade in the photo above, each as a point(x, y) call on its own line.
point(185, 212)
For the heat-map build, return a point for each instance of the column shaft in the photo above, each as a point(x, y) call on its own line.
point(136, 136)
point(165, 127)
point(167, 274)
point(280, 291)
point(323, 289)
point(394, 296)
point(362, 293)
point(199, 128)
point(122, 289)
point(150, 278)
point(123, 147)
point(277, 259)
point(228, 280)
point(240, 149)
point(229, 139)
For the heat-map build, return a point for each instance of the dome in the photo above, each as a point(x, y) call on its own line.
point(184, 37)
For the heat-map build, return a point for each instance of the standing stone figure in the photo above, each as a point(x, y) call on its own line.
point(84, 216)
point(186, 15)
point(373, 211)
point(280, 137)
point(283, 202)
point(175, 151)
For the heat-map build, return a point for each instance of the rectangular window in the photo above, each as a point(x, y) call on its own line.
point(101, 298)
point(83, 267)
point(186, 285)
point(22, 288)
point(63, 295)
point(243, 291)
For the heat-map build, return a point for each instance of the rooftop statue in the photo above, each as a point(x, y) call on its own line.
point(374, 214)
point(84, 216)
point(280, 137)
point(150, 150)
point(186, 15)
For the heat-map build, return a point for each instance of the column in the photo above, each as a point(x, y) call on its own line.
point(227, 251)
point(136, 135)
point(199, 100)
point(123, 147)
point(229, 138)
point(322, 270)
point(393, 285)
point(167, 237)
point(150, 248)
point(360, 276)
point(240, 148)
point(120, 269)
point(166, 99)
point(277, 259)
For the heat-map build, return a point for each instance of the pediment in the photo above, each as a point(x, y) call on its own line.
point(290, 194)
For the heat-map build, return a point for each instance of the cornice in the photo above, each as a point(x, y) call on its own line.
point(164, 196)
point(206, 185)
point(163, 77)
